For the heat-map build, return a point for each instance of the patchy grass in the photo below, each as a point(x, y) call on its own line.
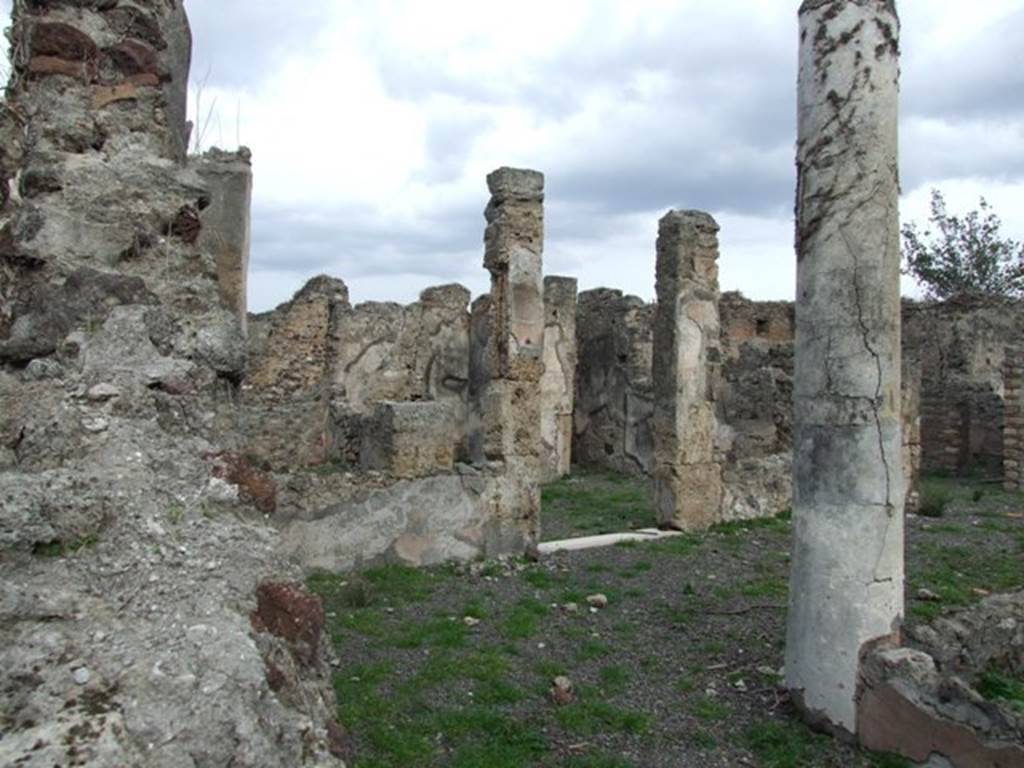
point(784, 744)
point(993, 685)
point(60, 548)
point(595, 503)
point(678, 669)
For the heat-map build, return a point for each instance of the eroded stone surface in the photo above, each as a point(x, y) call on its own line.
point(614, 403)
point(558, 382)
point(127, 574)
point(919, 701)
point(686, 365)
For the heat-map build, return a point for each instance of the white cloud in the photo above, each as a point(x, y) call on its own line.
point(374, 122)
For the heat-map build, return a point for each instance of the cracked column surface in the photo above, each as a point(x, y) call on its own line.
point(687, 477)
point(846, 586)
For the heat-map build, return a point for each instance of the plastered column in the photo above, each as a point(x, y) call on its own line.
point(846, 589)
point(559, 379)
point(687, 478)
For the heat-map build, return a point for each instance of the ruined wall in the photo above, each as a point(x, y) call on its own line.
point(614, 391)
point(362, 414)
point(756, 405)
point(284, 414)
point(1013, 420)
point(129, 579)
point(922, 700)
point(558, 382)
point(959, 346)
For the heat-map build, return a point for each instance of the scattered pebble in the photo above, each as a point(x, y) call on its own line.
point(102, 392)
point(470, 621)
point(82, 675)
point(927, 595)
point(597, 601)
point(561, 691)
point(571, 607)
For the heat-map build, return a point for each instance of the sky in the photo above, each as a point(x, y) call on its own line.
point(373, 124)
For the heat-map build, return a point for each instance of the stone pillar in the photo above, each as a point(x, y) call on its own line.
point(513, 245)
point(846, 583)
point(687, 477)
point(507, 340)
point(1013, 420)
point(226, 223)
point(558, 382)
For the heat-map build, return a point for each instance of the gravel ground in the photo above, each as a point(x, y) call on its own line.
point(453, 666)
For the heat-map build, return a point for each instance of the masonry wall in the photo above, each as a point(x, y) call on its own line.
point(612, 422)
point(558, 382)
point(1013, 432)
point(960, 348)
point(756, 412)
point(414, 433)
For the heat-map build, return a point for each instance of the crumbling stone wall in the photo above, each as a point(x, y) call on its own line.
point(921, 701)
point(387, 352)
point(959, 346)
point(614, 400)
point(1013, 421)
point(756, 405)
point(363, 414)
point(558, 382)
point(285, 404)
point(128, 579)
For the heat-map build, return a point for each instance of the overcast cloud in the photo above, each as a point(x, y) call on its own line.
point(374, 122)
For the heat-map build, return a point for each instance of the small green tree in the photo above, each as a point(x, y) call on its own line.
point(963, 255)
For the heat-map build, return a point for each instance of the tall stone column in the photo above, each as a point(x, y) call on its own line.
point(507, 341)
point(558, 383)
point(846, 586)
point(687, 477)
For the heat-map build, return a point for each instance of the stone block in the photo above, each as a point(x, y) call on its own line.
point(409, 440)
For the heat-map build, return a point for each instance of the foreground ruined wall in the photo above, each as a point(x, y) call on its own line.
point(142, 620)
point(921, 701)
